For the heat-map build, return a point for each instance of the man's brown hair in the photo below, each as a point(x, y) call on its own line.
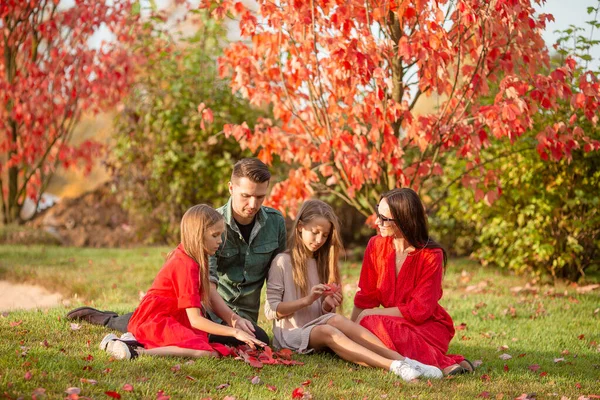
point(251, 168)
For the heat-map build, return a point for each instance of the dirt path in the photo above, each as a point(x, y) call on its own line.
point(15, 296)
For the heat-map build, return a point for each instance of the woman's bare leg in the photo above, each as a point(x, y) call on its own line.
point(363, 337)
point(176, 352)
point(328, 336)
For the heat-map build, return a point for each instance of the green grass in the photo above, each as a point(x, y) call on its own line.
point(536, 327)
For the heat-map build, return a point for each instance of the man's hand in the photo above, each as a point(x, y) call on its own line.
point(243, 324)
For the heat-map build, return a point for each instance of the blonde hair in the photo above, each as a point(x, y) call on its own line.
point(327, 256)
point(194, 225)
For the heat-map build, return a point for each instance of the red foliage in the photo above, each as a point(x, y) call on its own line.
point(51, 74)
point(343, 79)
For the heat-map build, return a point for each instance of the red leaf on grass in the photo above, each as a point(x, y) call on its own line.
point(485, 378)
point(285, 353)
point(223, 386)
point(505, 368)
point(306, 382)
point(581, 337)
point(162, 396)
point(298, 393)
point(461, 327)
point(272, 388)
point(16, 323)
point(522, 355)
point(255, 380)
point(128, 387)
point(191, 378)
point(543, 374)
point(176, 367)
point(253, 361)
point(73, 390)
point(113, 394)
point(90, 381)
point(485, 395)
point(534, 367)
point(578, 385)
point(88, 358)
point(75, 326)
point(28, 375)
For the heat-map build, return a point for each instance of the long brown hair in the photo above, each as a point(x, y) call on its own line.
point(327, 256)
point(409, 214)
point(194, 225)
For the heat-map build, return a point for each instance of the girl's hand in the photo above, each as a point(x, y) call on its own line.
point(246, 338)
point(315, 292)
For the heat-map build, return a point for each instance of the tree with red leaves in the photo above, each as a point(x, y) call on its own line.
point(50, 75)
point(344, 79)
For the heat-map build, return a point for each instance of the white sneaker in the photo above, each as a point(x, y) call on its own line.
point(128, 336)
point(427, 371)
point(121, 351)
point(106, 340)
point(404, 370)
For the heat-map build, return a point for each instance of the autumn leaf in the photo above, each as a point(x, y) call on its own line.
point(505, 368)
point(127, 387)
point(485, 378)
point(73, 390)
point(90, 381)
point(176, 367)
point(28, 375)
point(255, 380)
point(75, 327)
point(271, 388)
point(485, 395)
point(534, 367)
point(306, 382)
point(505, 356)
point(298, 393)
point(223, 386)
point(113, 394)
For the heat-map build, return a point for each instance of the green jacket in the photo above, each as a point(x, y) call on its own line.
point(238, 268)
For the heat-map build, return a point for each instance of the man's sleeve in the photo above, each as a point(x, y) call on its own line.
point(212, 268)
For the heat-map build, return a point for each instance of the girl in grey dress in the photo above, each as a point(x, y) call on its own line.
point(303, 296)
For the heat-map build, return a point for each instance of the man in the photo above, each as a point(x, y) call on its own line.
point(255, 235)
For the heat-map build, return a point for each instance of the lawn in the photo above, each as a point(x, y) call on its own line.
point(530, 339)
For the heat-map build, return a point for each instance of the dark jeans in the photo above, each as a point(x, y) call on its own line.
point(120, 323)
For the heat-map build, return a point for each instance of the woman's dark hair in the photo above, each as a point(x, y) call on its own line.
point(409, 214)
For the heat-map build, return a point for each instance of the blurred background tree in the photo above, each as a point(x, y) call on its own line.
point(169, 152)
point(547, 220)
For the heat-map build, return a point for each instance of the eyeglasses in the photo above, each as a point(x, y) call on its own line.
point(382, 218)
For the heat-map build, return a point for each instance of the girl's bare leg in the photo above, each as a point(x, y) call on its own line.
point(328, 336)
point(176, 352)
point(363, 337)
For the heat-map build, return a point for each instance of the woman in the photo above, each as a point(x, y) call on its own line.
point(402, 271)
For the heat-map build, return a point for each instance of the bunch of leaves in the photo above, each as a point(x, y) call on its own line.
point(50, 75)
point(547, 219)
point(257, 358)
point(169, 152)
point(345, 80)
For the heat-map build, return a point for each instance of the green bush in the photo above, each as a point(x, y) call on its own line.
point(163, 160)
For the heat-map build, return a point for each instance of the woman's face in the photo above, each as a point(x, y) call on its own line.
point(314, 234)
point(385, 221)
point(212, 237)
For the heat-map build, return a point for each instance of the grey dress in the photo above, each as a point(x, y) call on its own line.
point(292, 332)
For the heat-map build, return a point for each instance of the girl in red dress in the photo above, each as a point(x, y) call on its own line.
point(170, 318)
point(402, 271)
point(302, 298)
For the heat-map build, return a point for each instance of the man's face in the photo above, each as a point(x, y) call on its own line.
point(246, 197)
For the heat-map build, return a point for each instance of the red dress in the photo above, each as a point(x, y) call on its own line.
point(425, 328)
point(161, 320)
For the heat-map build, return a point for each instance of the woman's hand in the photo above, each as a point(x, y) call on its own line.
point(390, 312)
point(315, 292)
point(246, 338)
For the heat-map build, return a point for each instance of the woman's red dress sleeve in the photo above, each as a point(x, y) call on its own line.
point(368, 293)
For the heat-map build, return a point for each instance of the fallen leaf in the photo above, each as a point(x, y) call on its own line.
point(578, 385)
point(176, 367)
point(503, 348)
point(557, 360)
point(505, 356)
point(160, 395)
point(90, 381)
point(298, 393)
point(191, 378)
point(485, 378)
point(127, 387)
point(17, 323)
point(113, 394)
point(484, 395)
point(45, 343)
point(38, 393)
point(73, 390)
point(581, 337)
point(255, 380)
point(477, 363)
point(543, 374)
point(522, 355)
point(88, 358)
point(75, 326)
point(306, 382)
point(534, 367)
point(505, 368)
point(461, 327)
point(223, 386)
point(272, 388)
point(28, 375)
